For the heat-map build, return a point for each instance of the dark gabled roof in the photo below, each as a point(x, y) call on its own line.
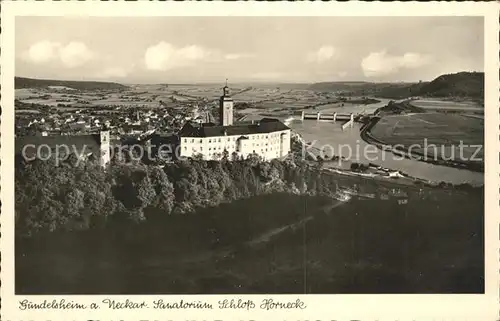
point(265, 125)
point(158, 140)
point(129, 140)
point(74, 142)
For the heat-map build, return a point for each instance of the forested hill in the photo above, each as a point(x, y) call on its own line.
point(462, 84)
point(21, 82)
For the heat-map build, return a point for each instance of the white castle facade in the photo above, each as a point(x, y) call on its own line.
point(269, 138)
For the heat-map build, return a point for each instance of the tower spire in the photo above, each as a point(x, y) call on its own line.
point(225, 90)
point(226, 107)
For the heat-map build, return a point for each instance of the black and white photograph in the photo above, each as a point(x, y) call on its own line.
point(176, 155)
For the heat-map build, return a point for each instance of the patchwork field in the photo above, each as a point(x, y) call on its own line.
point(455, 136)
point(257, 99)
point(27, 111)
point(439, 104)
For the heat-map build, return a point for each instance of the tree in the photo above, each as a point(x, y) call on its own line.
point(164, 190)
point(50, 198)
point(225, 155)
point(253, 159)
point(197, 157)
point(320, 163)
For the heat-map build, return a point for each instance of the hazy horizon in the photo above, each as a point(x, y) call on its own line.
point(287, 50)
point(236, 82)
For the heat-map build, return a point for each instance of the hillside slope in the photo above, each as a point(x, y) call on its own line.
point(462, 84)
point(383, 90)
point(21, 82)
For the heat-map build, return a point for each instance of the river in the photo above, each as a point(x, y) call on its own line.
point(349, 144)
point(329, 136)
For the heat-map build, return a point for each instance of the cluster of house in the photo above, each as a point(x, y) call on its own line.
point(197, 134)
point(120, 121)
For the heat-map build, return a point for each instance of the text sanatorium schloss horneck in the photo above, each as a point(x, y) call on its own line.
point(266, 304)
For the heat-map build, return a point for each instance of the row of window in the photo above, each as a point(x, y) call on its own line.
point(213, 155)
point(230, 149)
point(210, 140)
point(210, 148)
point(215, 140)
point(262, 144)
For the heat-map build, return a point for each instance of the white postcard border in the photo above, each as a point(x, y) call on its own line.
point(319, 307)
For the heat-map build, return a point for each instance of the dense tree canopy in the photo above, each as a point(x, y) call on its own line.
point(75, 195)
point(83, 195)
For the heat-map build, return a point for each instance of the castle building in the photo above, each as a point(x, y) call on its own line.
point(269, 137)
point(58, 146)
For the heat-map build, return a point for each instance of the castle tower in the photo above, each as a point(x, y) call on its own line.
point(226, 107)
point(105, 147)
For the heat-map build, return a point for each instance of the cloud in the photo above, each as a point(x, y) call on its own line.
point(381, 63)
point(235, 56)
point(75, 54)
point(42, 51)
point(71, 55)
point(165, 56)
point(321, 55)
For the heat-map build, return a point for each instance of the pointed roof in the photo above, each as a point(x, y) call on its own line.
point(225, 90)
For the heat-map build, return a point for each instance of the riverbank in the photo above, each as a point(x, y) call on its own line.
point(341, 166)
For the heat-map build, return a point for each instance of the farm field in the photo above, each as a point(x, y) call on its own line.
point(447, 132)
point(26, 93)
point(135, 97)
point(446, 105)
point(261, 99)
point(27, 111)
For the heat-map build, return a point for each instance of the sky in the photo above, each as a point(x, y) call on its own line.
point(247, 49)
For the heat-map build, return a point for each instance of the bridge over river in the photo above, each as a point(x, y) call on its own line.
point(349, 118)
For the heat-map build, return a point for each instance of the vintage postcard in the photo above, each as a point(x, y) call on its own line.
point(249, 161)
